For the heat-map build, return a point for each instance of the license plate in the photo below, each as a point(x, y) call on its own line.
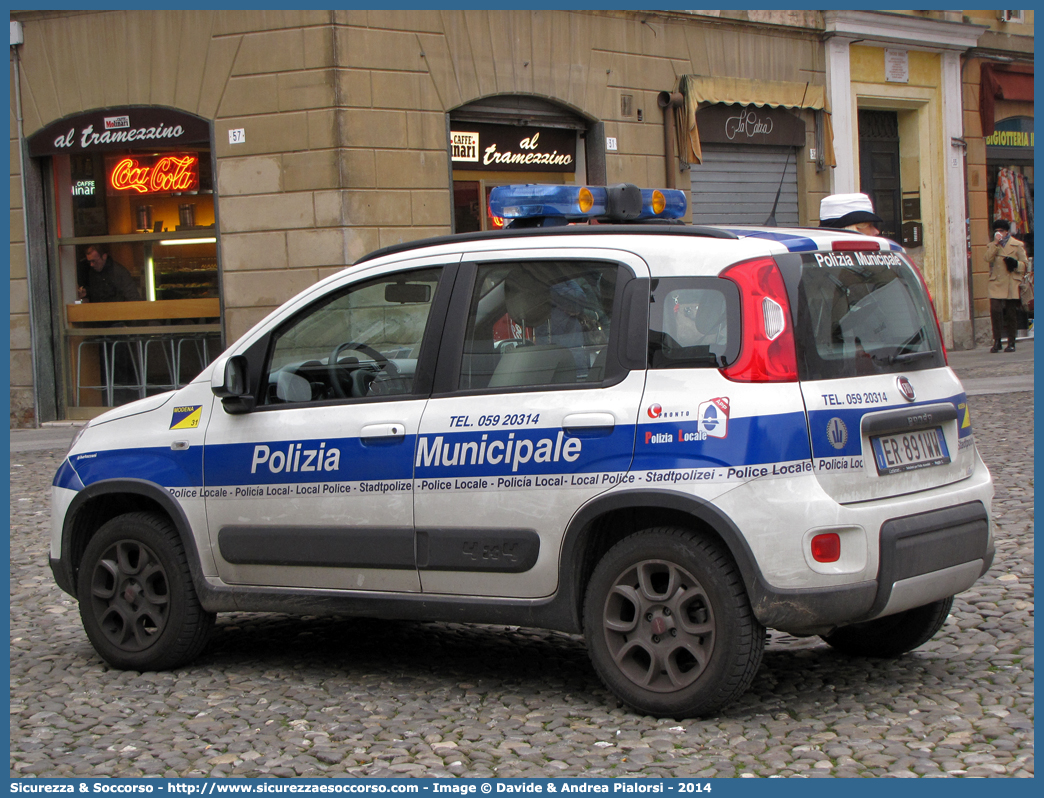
point(908, 451)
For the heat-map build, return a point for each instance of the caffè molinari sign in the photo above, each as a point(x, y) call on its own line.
point(749, 124)
point(133, 127)
point(509, 148)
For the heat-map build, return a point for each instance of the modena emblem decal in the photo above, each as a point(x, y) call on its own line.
point(186, 417)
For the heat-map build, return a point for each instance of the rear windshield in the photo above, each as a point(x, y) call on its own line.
point(862, 313)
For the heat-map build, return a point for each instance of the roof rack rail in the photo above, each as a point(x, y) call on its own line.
point(697, 231)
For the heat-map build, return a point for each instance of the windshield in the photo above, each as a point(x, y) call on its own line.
point(861, 313)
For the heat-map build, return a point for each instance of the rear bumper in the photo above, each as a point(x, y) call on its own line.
point(929, 556)
point(923, 558)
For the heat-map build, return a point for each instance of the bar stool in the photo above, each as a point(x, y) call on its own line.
point(166, 347)
point(134, 348)
point(103, 351)
point(199, 348)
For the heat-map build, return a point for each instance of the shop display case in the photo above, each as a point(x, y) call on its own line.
point(185, 278)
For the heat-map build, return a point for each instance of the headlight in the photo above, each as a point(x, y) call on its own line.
point(76, 437)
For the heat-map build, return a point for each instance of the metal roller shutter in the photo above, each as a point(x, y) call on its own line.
point(737, 185)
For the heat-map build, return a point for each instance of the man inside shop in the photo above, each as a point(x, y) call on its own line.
point(102, 279)
point(105, 280)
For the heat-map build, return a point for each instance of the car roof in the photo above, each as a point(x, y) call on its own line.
point(774, 239)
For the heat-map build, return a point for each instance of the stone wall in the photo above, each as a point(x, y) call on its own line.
point(344, 114)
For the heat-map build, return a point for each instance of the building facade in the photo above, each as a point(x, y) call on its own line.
point(997, 78)
point(228, 159)
point(895, 89)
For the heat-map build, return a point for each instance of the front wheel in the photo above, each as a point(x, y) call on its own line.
point(894, 634)
point(668, 625)
point(137, 602)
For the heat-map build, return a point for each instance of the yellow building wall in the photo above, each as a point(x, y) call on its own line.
point(991, 19)
point(922, 150)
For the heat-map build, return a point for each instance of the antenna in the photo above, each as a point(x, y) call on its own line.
point(771, 220)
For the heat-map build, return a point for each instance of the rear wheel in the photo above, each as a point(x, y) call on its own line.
point(668, 625)
point(137, 602)
point(894, 634)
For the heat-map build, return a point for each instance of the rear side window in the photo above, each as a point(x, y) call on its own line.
point(863, 313)
point(538, 323)
point(693, 323)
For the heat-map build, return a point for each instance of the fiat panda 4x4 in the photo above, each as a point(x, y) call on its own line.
point(665, 437)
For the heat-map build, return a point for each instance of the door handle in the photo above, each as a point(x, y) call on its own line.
point(382, 431)
point(589, 421)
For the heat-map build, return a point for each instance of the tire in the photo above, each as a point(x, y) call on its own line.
point(137, 602)
point(668, 624)
point(892, 635)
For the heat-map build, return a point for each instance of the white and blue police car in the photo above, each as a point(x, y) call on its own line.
point(664, 436)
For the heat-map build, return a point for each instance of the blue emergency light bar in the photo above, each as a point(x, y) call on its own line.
point(549, 205)
point(663, 203)
point(527, 201)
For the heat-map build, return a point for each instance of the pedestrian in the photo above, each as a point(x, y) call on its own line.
point(105, 280)
point(850, 212)
point(1008, 263)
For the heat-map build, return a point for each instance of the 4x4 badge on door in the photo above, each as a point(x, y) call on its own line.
point(905, 388)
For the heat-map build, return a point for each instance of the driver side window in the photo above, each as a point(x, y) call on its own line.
point(359, 342)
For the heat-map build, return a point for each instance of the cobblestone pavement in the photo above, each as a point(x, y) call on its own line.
point(280, 696)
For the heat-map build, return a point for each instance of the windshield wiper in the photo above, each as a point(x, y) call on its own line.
point(906, 357)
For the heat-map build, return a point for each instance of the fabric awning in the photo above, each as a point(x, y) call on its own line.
point(1004, 82)
point(743, 91)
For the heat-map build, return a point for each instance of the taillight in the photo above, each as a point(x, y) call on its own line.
point(767, 349)
point(855, 245)
point(826, 547)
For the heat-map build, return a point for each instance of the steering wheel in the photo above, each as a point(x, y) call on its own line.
point(380, 363)
point(508, 344)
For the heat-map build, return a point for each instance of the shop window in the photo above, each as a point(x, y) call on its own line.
point(136, 274)
point(471, 206)
point(154, 211)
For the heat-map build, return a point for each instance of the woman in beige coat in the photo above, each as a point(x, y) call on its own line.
point(1008, 264)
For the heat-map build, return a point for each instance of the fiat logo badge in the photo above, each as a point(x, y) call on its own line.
point(905, 388)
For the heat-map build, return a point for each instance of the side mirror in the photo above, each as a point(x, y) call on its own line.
point(234, 390)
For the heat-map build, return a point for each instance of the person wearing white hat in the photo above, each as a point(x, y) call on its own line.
point(850, 212)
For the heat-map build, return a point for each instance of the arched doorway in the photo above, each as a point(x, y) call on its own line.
point(506, 139)
point(130, 283)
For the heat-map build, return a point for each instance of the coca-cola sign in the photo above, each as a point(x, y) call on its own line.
point(164, 175)
point(138, 127)
point(512, 148)
point(749, 124)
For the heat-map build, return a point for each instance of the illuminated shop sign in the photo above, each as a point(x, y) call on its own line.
point(155, 175)
point(512, 148)
point(83, 188)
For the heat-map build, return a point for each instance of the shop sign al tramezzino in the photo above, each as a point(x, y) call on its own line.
point(504, 148)
point(119, 128)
